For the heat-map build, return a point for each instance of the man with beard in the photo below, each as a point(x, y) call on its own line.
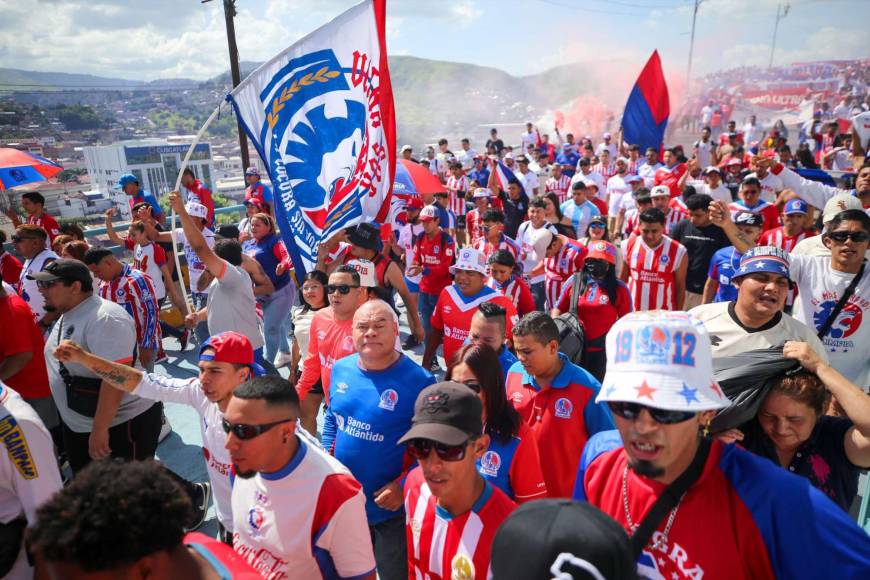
point(738, 516)
point(296, 510)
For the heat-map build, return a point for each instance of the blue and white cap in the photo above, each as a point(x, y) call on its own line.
point(661, 359)
point(768, 259)
point(795, 206)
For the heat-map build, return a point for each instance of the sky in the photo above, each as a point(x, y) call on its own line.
point(151, 39)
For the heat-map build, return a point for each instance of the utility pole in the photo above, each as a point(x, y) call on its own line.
point(229, 15)
point(781, 12)
point(691, 48)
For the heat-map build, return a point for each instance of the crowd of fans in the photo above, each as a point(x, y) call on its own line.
point(553, 279)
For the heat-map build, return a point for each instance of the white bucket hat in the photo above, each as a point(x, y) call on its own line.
point(471, 260)
point(661, 359)
point(196, 210)
point(366, 269)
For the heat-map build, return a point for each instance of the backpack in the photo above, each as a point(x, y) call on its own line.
point(572, 336)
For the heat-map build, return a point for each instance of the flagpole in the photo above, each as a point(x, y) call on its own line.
point(184, 163)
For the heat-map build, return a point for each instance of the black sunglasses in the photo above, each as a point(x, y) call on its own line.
point(245, 432)
point(46, 284)
point(340, 288)
point(857, 237)
point(421, 448)
point(631, 411)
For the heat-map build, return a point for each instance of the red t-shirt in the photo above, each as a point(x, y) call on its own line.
point(596, 311)
point(10, 268)
point(31, 382)
point(518, 291)
point(670, 177)
point(435, 255)
point(329, 340)
point(48, 223)
point(453, 313)
point(225, 561)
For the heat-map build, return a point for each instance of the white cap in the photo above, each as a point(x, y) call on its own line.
point(196, 210)
point(606, 135)
point(712, 169)
point(471, 260)
point(621, 160)
point(430, 212)
point(660, 191)
point(541, 240)
point(481, 192)
point(631, 178)
point(590, 183)
point(407, 148)
point(838, 203)
point(366, 270)
point(661, 359)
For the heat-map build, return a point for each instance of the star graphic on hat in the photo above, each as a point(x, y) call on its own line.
point(644, 390)
point(761, 264)
point(689, 394)
point(610, 390)
point(743, 268)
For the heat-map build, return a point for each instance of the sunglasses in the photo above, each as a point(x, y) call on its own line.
point(343, 289)
point(46, 284)
point(857, 237)
point(631, 411)
point(597, 226)
point(246, 432)
point(421, 448)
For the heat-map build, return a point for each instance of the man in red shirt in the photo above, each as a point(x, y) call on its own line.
point(10, 266)
point(34, 204)
point(457, 303)
point(22, 365)
point(671, 172)
point(452, 513)
point(330, 338)
point(199, 193)
point(434, 252)
point(556, 399)
point(750, 200)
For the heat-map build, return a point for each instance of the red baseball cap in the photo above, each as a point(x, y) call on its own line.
point(601, 250)
point(414, 203)
point(231, 347)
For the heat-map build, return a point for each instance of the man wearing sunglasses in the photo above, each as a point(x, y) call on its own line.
point(330, 340)
point(821, 282)
point(297, 511)
point(29, 243)
point(741, 516)
point(452, 512)
point(371, 406)
point(226, 361)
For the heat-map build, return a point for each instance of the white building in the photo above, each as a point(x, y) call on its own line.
point(155, 162)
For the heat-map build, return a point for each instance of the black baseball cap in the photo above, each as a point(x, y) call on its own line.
point(67, 270)
point(366, 236)
point(747, 218)
point(551, 537)
point(448, 413)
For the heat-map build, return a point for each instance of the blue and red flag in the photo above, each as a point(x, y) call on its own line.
point(646, 113)
point(502, 175)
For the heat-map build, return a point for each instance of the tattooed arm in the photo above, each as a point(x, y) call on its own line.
point(117, 375)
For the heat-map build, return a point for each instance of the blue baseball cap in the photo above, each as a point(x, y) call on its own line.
point(795, 206)
point(768, 259)
point(127, 178)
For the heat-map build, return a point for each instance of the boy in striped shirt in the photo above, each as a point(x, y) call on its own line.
point(457, 187)
point(452, 513)
point(562, 261)
point(558, 183)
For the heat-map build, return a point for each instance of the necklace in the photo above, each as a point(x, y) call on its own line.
point(662, 540)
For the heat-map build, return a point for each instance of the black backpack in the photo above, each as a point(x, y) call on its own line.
point(572, 336)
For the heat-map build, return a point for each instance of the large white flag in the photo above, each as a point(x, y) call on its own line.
point(321, 117)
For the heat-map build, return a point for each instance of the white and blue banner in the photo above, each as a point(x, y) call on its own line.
point(321, 116)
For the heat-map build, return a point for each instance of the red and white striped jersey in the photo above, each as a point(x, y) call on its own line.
point(673, 217)
point(517, 290)
point(652, 272)
point(456, 203)
point(442, 546)
point(505, 243)
point(558, 186)
point(606, 171)
point(560, 268)
point(474, 226)
point(632, 220)
point(633, 165)
point(149, 259)
point(135, 292)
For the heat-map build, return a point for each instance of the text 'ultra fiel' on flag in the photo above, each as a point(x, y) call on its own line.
point(321, 116)
point(646, 113)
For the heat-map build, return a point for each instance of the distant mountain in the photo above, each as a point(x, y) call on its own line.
point(25, 80)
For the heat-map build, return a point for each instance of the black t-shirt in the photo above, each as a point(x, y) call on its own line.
point(498, 144)
point(701, 244)
point(821, 458)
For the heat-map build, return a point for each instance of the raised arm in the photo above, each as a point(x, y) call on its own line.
point(117, 375)
point(110, 230)
point(720, 216)
point(194, 236)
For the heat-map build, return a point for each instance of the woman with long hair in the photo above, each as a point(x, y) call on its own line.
point(603, 300)
point(512, 462)
point(553, 214)
point(267, 248)
point(312, 298)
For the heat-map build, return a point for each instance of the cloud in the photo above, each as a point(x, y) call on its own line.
point(466, 12)
point(827, 43)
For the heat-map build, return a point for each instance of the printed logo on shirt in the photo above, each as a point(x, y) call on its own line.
point(517, 397)
point(847, 323)
point(261, 498)
point(16, 446)
point(389, 399)
point(490, 463)
point(664, 259)
point(448, 252)
point(447, 309)
point(462, 568)
point(436, 249)
point(360, 430)
point(341, 388)
point(653, 344)
point(564, 408)
point(321, 334)
point(603, 299)
point(256, 519)
point(222, 468)
point(347, 344)
point(668, 560)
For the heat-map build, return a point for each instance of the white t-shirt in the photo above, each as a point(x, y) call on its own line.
point(603, 146)
point(28, 470)
point(102, 328)
point(466, 157)
point(705, 152)
point(771, 185)
point(729, 337)
point(27, 289)
point(591, 176)
point(406, 242)
point(525, 237)
point(529, 181)
point(617, 188)
point(309, 514)
point(195, 266)
point(217, 458)
point(721, 193)
point(231, 305)
point(528, 139)
point(820, 288)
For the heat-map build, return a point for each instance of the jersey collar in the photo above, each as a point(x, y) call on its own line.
point(291, 465)
point(560, 381)
point(478, 505)
point(468, 299)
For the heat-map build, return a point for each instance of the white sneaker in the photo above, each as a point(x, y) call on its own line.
point(165, 429)
point(283, 359)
